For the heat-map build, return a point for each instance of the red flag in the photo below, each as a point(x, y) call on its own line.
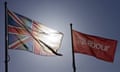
point(101, 48)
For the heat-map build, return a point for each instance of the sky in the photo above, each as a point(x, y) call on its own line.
point(95, 17)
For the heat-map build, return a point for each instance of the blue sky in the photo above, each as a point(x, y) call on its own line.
point(95, 17)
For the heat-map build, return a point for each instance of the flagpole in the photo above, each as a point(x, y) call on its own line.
point(73, 55)
point(6, 39)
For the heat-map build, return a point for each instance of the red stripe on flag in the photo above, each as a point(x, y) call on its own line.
point(36, 47)
point(17, 30)
point(17, 19)
point(16, 44)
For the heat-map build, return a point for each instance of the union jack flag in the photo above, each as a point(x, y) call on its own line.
point(29, 35)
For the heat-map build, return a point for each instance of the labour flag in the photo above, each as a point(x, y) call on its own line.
point(29, 35)
point(99, 47)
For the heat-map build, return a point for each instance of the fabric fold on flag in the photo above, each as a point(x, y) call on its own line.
point(29, 35)
point(99, 47)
